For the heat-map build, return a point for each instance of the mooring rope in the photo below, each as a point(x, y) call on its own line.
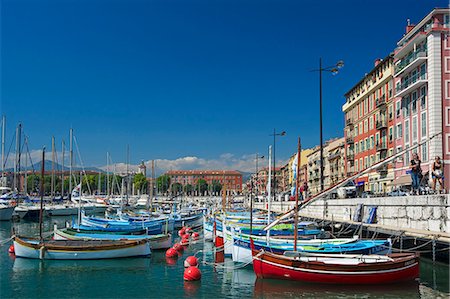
point(3, 242)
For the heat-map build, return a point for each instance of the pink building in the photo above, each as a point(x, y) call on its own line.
point(422, 91)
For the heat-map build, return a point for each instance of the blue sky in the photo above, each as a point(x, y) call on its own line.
point(173, 79)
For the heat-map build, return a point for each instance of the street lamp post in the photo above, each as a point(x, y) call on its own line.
point(283, 133)
point(334, 69)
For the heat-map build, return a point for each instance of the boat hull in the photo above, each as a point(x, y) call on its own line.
point(156, 241)
point(191, 221)
point(60, 251)
point(273, 266)
point(6, 213)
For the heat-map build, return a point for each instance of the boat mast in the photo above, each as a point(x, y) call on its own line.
point(128, 174)
point(62, 169)
point(70, 162)
point(52, 184)
point(269, 190)
point(297, 187)
point(3, 149)
point(79, 199)
point(107, 176)
point(25, 183)
point(41, 189)
point(17, 162)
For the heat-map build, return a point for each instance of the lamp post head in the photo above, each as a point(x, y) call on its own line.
point(340, 64)
point(283, 133)
point(334, 71)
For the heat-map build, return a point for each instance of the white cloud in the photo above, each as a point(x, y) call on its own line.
point(227, 161)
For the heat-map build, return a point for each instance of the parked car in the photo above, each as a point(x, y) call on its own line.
point(398, 192)
point(348, 190)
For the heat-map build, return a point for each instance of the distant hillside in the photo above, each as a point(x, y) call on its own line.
point(58, 167)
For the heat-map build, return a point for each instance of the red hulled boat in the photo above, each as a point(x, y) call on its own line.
point(336, 268)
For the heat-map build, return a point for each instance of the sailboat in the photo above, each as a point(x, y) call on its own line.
point(75, 249)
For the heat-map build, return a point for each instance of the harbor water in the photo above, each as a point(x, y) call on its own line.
point(154, 277)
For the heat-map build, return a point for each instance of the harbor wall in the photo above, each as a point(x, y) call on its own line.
point(419, 213)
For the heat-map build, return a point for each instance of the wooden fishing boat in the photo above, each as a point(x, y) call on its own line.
point(336, 268)
point(80, 249)
point(161, 241)
point(242, 252)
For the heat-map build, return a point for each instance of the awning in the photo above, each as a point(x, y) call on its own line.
point(402, 181)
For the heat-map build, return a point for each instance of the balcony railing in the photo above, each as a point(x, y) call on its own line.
point(350, 157)
point(381, 124)
point(381, 146)
point(405, 84)
point(349, 122)
point(349, 140)
point(381, 102)
point(419, 53)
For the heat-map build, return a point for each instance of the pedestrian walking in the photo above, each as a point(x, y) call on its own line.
point(416, 173)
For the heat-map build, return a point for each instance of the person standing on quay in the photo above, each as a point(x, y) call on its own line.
point(416, 172)
point(437, 173)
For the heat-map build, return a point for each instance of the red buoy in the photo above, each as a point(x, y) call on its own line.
point(195, 235)
point(171, 253)
point(184, 241)
point(181, 232)
point(191, 261)
point(188, 229)
point(178, 247)
point(171, 261)
point(186, 236)
point(11, 249)
point(192, 274)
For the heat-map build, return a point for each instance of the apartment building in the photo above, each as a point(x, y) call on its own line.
point(422, 89)
point(369, 126)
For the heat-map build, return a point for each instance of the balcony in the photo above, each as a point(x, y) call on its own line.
point(381, 124)
point(349, 140)
point(333, 156)
point(350, 157)
point(382, 146)
point(382, 170)
point(349, 122)
point(410, 62)
point(410, 84)
point(381, 102)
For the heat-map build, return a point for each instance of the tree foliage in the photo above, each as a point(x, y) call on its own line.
point(163, 183)
point(201, 186)
point(177, 188)
point(140, 183)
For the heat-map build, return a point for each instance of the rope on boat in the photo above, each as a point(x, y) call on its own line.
point(3, 242)
point(220, 265)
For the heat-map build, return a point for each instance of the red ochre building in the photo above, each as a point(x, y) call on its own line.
point(231, 179)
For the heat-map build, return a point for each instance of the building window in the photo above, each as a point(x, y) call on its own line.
point(399, 131)
point(366, 126)
point(361, 165)
point(362, 146)
point(406, 161)
point(423, 123)
point(366, 163)
point(406, 131)
point(423, 71)
point(414, 129)
point(398, 108)
point(425, 152)
point(414, 102)
point(423, 95)
point(356, 166)
point(367, 143)
point(372, 142)
point(406, 106)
